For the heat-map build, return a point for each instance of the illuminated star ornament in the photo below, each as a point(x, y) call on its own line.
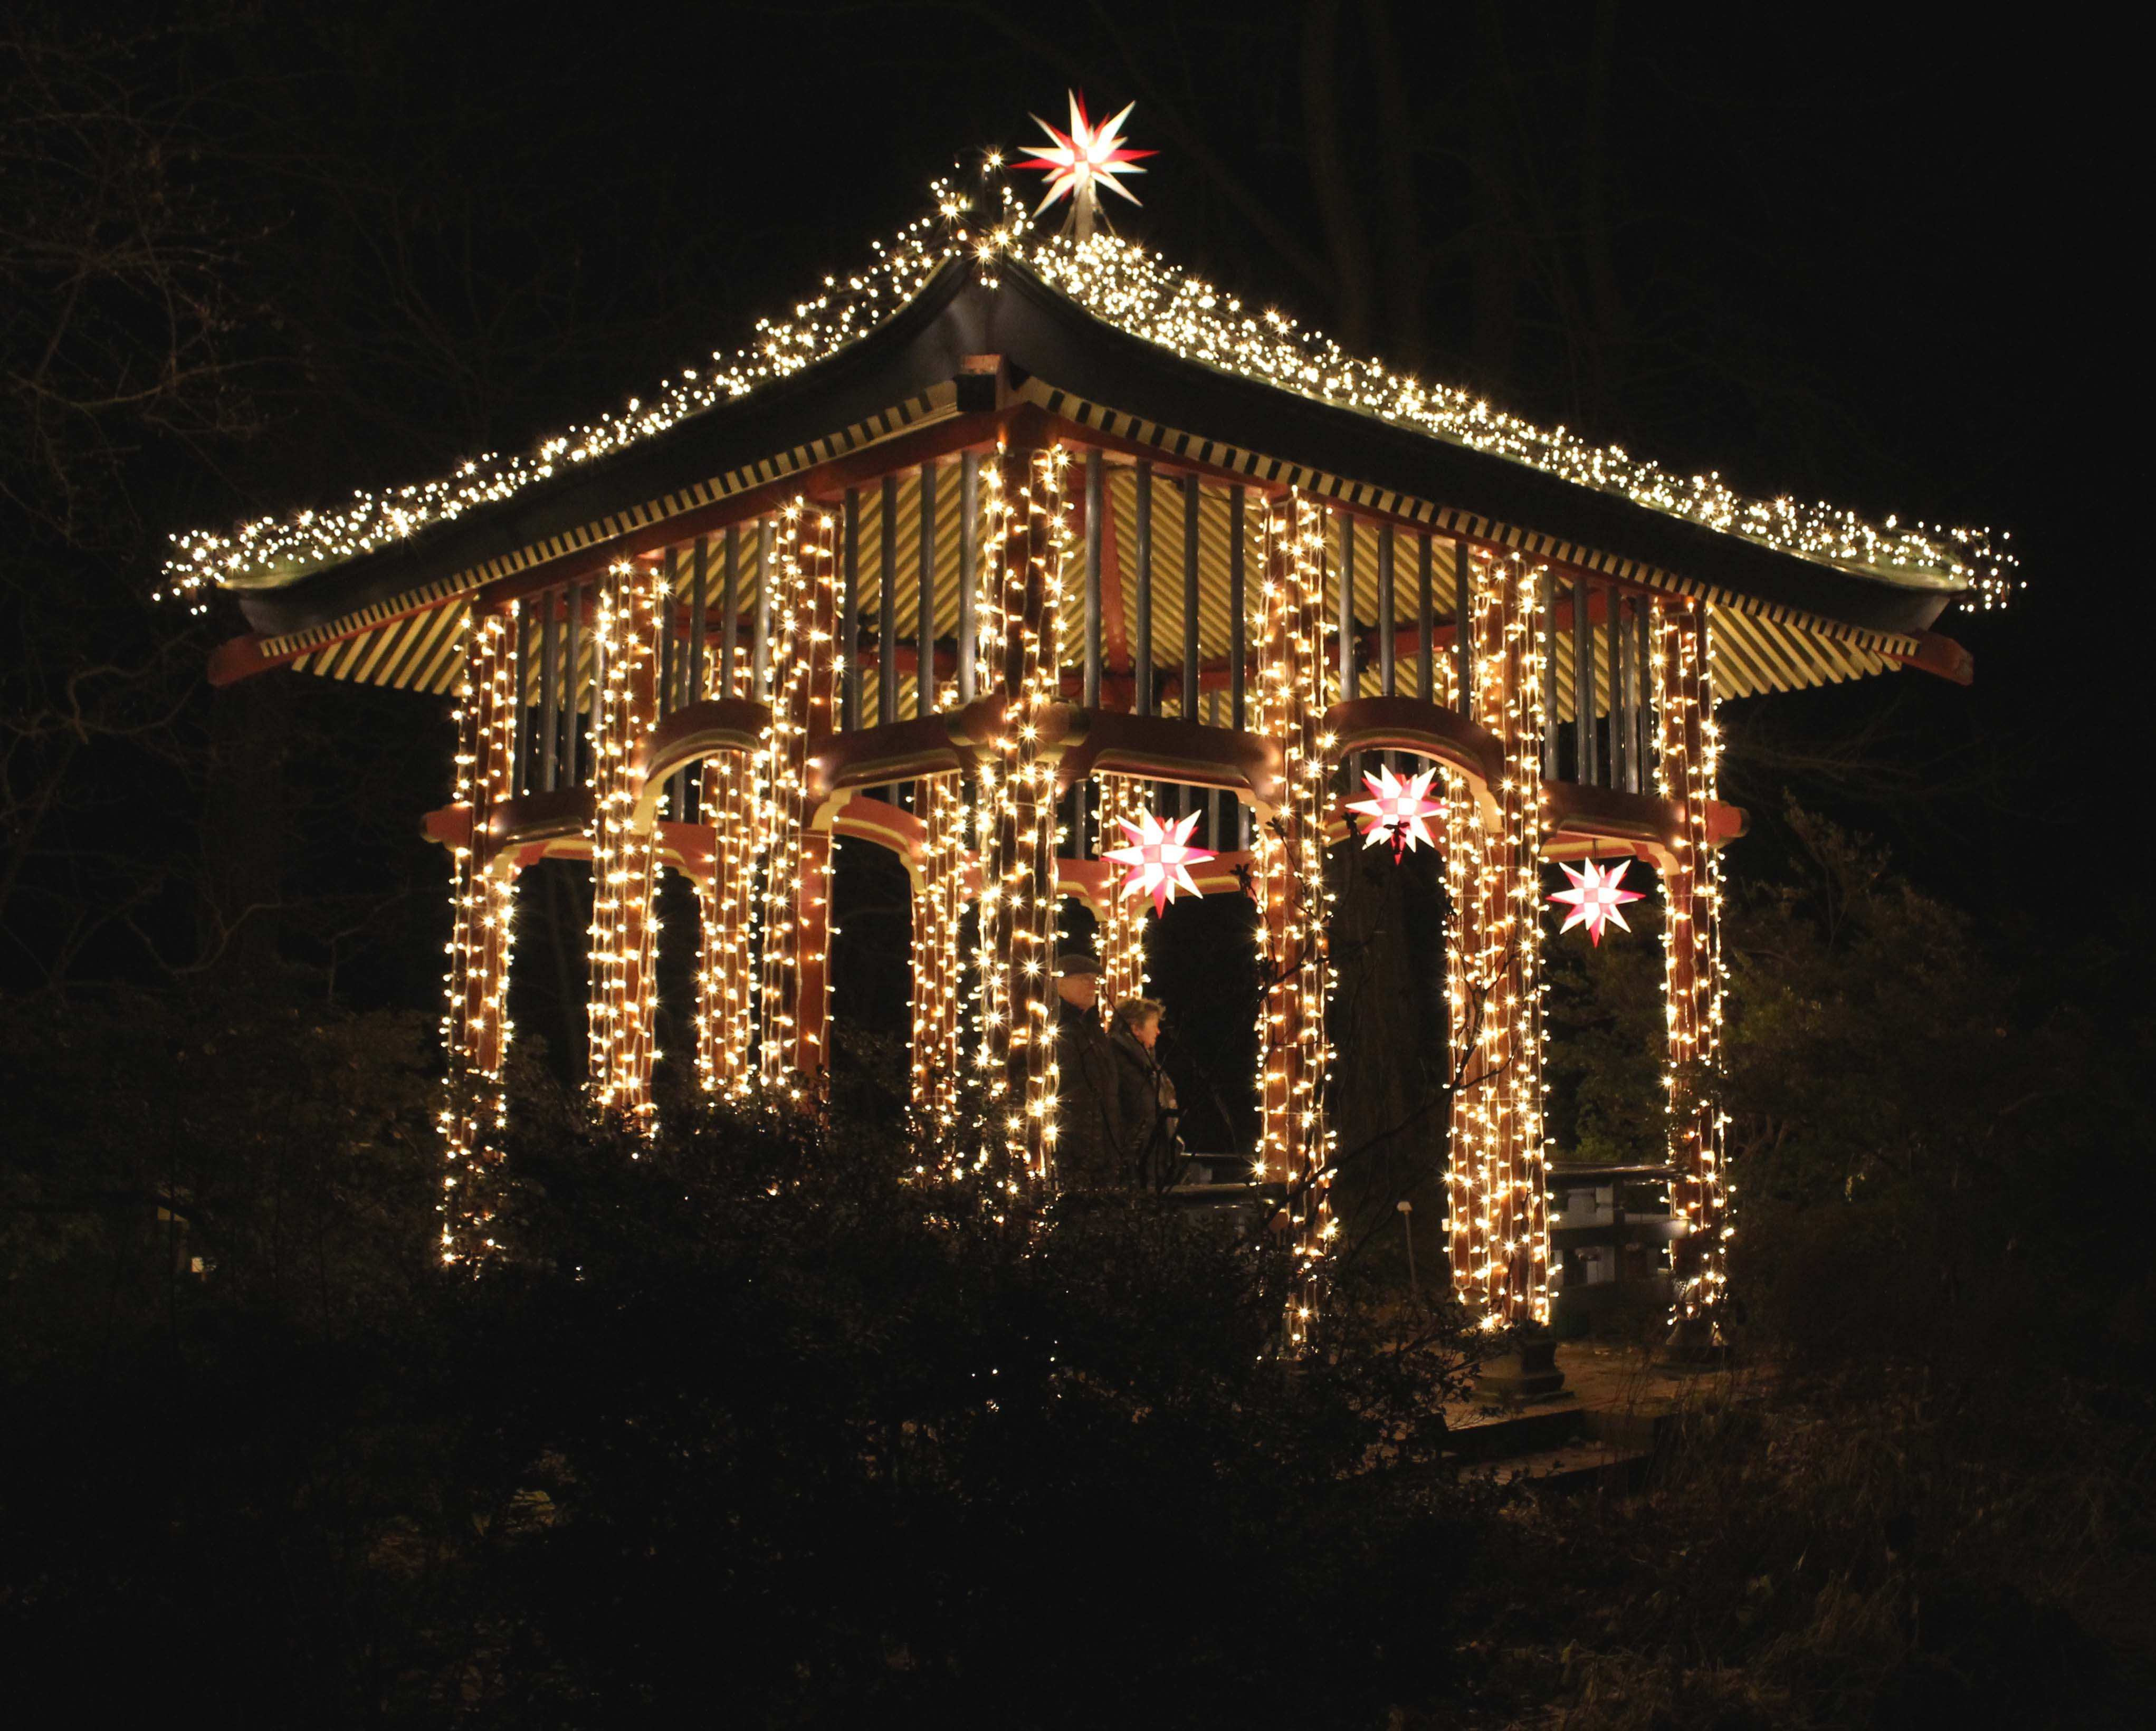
point(1397, 811)
point(1158, 856)
point(1594, 897)
point(1080, 162)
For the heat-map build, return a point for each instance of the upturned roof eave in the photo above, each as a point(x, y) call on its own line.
point(1041, 332)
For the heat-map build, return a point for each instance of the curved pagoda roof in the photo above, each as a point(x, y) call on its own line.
point(1118, 348)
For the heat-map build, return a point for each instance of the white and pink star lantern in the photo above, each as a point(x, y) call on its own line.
point(1399, 811)
point(1594, 897)
point(1080, 162)
point(1158, 857)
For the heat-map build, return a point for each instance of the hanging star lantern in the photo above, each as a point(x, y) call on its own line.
point(1399, 811)
point(1080, 162)
point(1594, 897)
point(1158, 857)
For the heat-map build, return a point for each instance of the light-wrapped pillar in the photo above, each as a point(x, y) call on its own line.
point(1687, 761)
point(1023, 556)
point(624, 867)
point(1125, 918)
point(475, 1026)
point(1294, 1140)
point(795, 998)
point(1497, 1181)
point(726, 980)
point(939, 900)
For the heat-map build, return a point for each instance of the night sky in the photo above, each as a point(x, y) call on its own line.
point(1848, 263)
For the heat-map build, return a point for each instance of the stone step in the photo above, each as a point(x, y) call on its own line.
point(1526, 1432)
point(1584, 1465)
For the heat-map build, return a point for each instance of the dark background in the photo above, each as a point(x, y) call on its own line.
point(1856, 263)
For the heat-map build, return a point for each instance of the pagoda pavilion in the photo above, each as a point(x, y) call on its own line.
point(1012, 537)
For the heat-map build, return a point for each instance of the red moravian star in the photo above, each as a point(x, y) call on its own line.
point(1158, 857)
point(1399, 810)
point(1594, 897)
point(1082, 160)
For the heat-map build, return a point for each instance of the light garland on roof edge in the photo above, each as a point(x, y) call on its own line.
point(1137, 292)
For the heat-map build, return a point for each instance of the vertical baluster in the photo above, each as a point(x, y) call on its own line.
point(850, 611)
point(669, 678)
point(572, 681)
point(1425, 621)
point(969, 544)
point(1387, 649)
point(1620, 694)
point(693, 685)
point(924, 672)
point(887, 608)
point(1190, 671)
point(760, 649)
point(520, 750)
point(1552, 732)
point(1096, 496)
point(1642, 658)
point(729, 609)
point(1463, 629)
point(1350, 681)
point(550, 692)
point(1583, 686)
point(1213, 795)
point(1142, 636)
point(1238, 706)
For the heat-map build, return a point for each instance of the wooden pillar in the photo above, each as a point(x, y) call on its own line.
point(1023, 567)
point(476, 1028)
point(939, 903)
point(1294, 1142)
point(631, 619)
point(1123, 919)
point(794, 997)
point(1496, 1179)
point(1686, 762)
point(725, 984)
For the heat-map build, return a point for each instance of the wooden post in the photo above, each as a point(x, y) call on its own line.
point(1294, 1142)
point(849, 615)
point(939, 905)
point(1017, 887)
point(574, 750)
point(625, 868)
point(794, 1003)
point(1463, 635)
point(1238, 630)
point(1496, 1178)
point(1686, 771)
point(475, 1028)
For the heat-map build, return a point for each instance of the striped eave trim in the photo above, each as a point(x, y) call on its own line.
point(1872, 646)
point(936, 403)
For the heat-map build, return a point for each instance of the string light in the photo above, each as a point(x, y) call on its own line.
point(1021, 606)
point(939, 900)
point(1498, 1176)
point(1123, 920)
point(1138, 291)
point(1687, 775)
point(631, 616)
point(475, 1025)
point(1295, 1136)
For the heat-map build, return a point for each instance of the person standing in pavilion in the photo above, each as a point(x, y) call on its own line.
point(1089, 1135)
point(1145, 1096)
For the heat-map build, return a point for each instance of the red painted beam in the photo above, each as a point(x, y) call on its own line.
point(1941, 655)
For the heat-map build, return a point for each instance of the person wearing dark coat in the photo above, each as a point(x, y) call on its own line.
point(1089, 1131)
point(1145, 1097)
